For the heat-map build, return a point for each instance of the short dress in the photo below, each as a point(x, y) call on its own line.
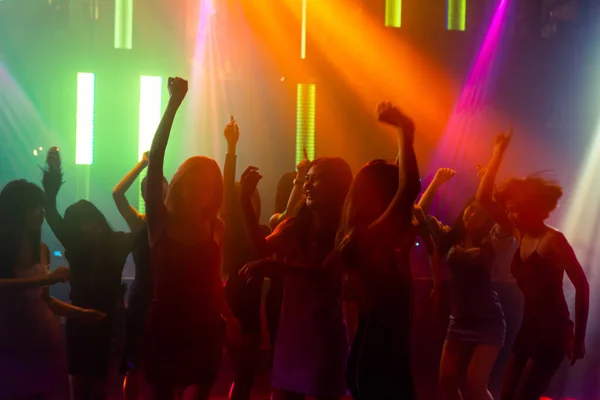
point(183, 339)
point(476, 313)
point(547, 330)
point(32, 349)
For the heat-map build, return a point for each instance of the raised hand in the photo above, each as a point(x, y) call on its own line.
point(52, 179)
point(249, 182)
point(146, 158)
point(53, 158)
point(443, 175)
point(392, 115)
point(177, 89)
point(502, 141)
point(59, 275)
point(303, 165)
point(232, 132)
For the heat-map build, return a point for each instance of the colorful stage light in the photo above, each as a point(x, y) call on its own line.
point(457, 15)
point(303, 33)
point(305, 121)
point(393, 13)
point(84, 134)
point(149, 118)
point(124, 24)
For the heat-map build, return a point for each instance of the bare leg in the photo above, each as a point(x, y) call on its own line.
point(479, 370)
point(512, 376)
point(279, 394)
point(450, 369)
point(534, 381)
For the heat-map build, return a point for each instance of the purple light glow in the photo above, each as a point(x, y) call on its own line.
point(466, 138)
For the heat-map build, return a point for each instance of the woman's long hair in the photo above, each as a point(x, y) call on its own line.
point(18, 200)
point(195, 175)
point(338, 175)
point(371, 193)
point(458, 232)
point(80, 213)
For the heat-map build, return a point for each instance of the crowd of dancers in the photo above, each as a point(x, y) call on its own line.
point(337, 254)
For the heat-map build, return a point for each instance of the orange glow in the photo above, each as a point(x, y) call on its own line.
point(377, 65)
point(373, 63)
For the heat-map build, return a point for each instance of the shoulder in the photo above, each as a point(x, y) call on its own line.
point(555, 243)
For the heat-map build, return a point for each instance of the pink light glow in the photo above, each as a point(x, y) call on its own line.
point(468, 132)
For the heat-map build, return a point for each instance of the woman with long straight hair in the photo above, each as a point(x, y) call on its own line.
point(311, 345)
point(33, 362)
point(185, 329)
point(373, 245)
point(96, 255)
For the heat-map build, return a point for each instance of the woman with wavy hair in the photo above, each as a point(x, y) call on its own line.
point(547, 334)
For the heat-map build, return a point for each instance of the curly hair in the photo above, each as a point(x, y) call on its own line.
point(533, 193)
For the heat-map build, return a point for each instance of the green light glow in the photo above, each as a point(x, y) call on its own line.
point(393, 13)
point(84, 131)
point(123, 24)
point(457, 15)
point(305, 121)
point(149, 118)
point(303, 37)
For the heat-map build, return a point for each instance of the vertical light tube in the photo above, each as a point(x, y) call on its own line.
point(305, 121)
point(457, 15)
point(84, 131)
point(303, 33)
point(393, 13)
point(149, 118)
point(123, 24)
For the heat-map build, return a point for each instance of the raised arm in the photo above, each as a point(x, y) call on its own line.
point(156, 212)
point(296, 195)
point(442, 176)
point(232, 135)
point(52, 181)
point(127, 211)
point(400, 210)
point(485, 192)
point(248, 183)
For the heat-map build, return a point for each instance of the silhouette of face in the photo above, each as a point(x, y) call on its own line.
point(474, 216)
point(315, 187)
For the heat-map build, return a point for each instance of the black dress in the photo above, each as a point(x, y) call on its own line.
point(95, 284)
point(140, 298)
point(96, 274)
point(379, 365)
